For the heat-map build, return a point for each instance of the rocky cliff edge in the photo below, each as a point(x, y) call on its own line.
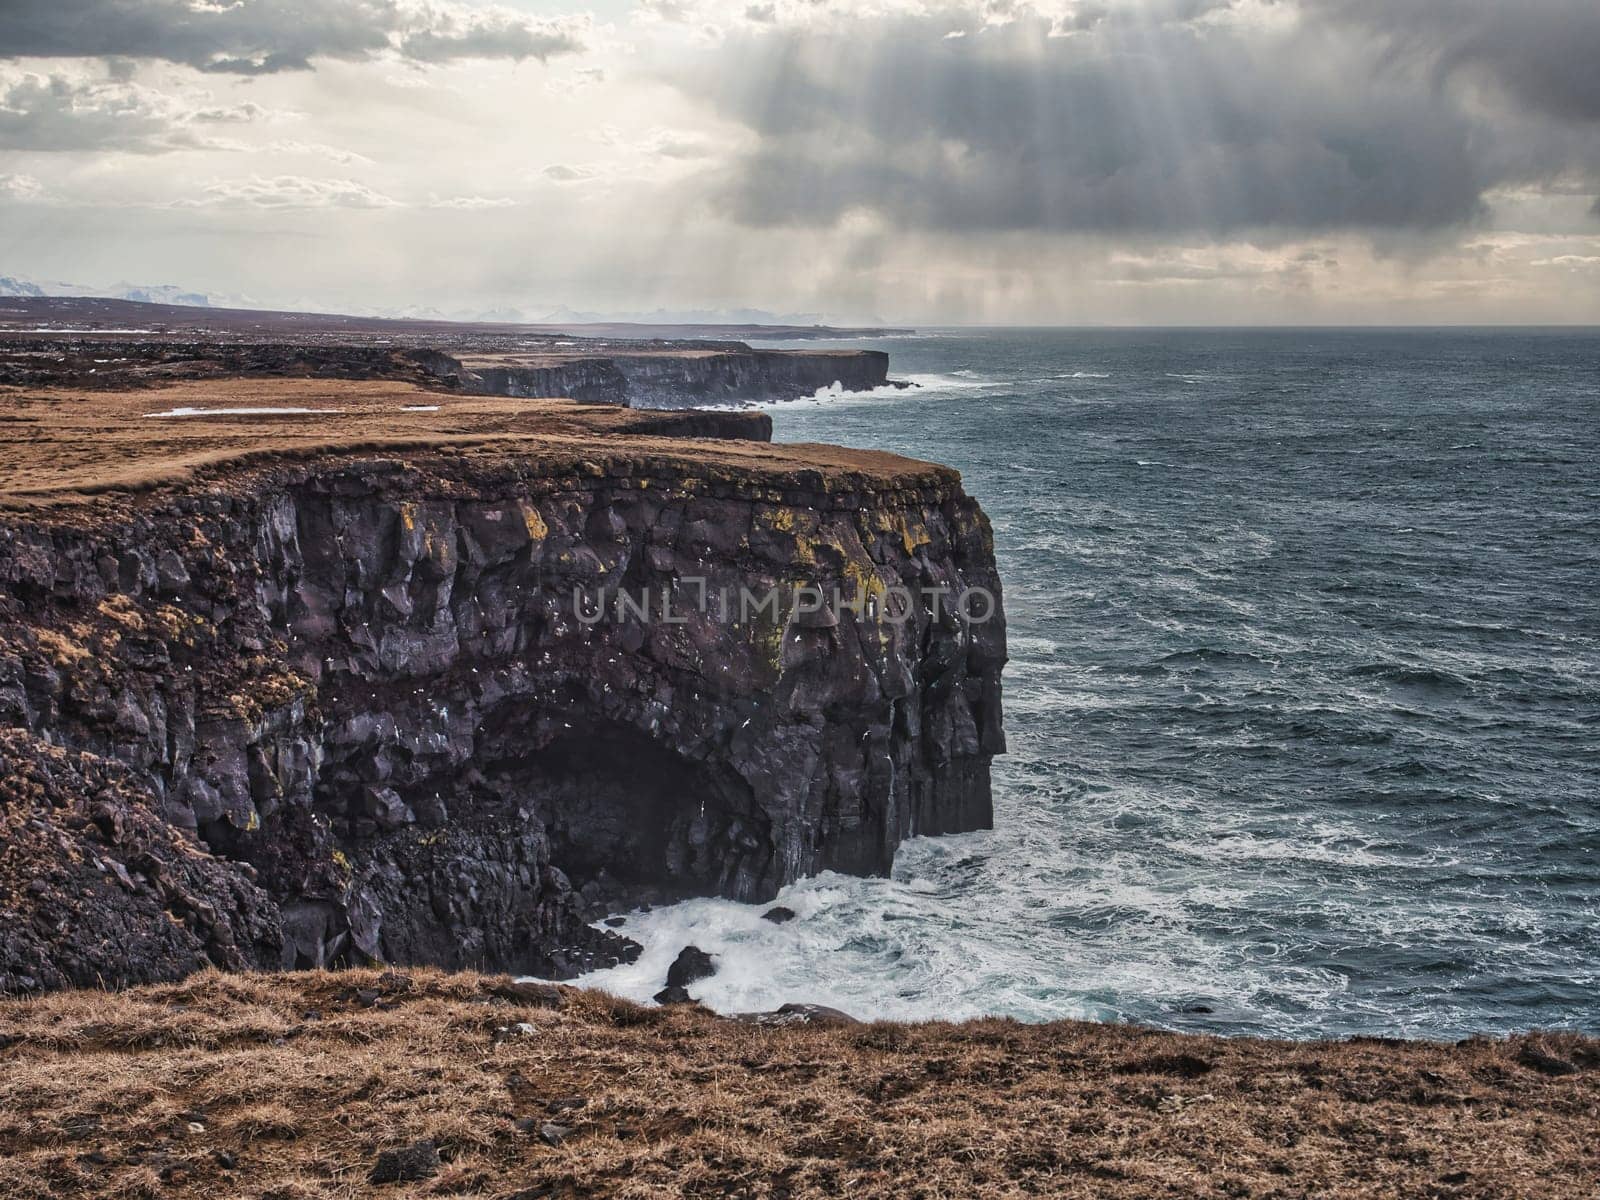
point(329, 686)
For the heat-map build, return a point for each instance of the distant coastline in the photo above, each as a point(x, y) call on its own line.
point(19, 314)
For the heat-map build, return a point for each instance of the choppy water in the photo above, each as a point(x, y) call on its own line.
point(1304, 702)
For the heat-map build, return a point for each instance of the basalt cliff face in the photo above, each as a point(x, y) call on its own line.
point(680, 378)
point(665, 374)
point(349, 707)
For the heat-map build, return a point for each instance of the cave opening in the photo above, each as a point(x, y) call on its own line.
point(630, 815)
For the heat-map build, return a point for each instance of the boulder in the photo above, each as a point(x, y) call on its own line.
point(407, 1164)
point(799, 1014)
point(692, 965)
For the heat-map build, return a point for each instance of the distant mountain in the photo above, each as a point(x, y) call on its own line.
point(172, 294)
point(696, 316)
point(160, 293)
point(19, 287)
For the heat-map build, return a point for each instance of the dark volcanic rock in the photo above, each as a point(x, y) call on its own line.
point(677, 373)
point(120, 896)
point(672, 375)
point(799, 1014)
point(692, 965)
point(778, 914)
point(406, 1165)
point(1546, 1064)
point(526, 991)
point(673, 995)
point(366, 722)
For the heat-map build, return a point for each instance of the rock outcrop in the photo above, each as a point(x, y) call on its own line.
point(667, 374)
point(338, 707)
point(673, 377)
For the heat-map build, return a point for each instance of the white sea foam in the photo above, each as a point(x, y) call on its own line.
point(922, 387)
point(915, 948)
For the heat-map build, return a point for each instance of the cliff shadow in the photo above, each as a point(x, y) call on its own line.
point(632, 820)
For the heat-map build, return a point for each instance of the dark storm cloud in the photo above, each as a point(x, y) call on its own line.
point(252, 37)
point(1544, 53)
point(488, 36)
point(1156, 119)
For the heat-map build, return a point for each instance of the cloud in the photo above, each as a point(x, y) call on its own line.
point(1545, 54)
point(257, 37)
point(675, 143)
point(451, 34)
point(59, 112)
point(288, 192)
point(471, 203)
point(1572, 262)
point(345, 158)
point(1173, 117)
point(1198, 266)
point(576, 81)
point(660, 143)
point(675, 11)
point(20, 188)
point(569, 173)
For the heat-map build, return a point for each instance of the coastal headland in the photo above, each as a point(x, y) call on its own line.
point(294, 670)
point(302, 727)
point(108, 344)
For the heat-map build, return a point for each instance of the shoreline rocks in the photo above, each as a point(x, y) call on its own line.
point(692, 965)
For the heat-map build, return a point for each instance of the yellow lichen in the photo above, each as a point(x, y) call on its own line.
point(861, 582)
point(768, 640)
point(122, 611)
point(63, 651)
point(537, 529)
point(913, 533)
point(179, 625)
point(267, 692)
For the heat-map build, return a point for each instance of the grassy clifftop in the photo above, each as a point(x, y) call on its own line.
point(291, 1086)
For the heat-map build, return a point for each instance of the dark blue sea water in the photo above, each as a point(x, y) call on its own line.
point(1304, 701)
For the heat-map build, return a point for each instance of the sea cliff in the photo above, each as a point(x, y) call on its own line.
point(335, 705)
point(674, 378)
point(640, 374)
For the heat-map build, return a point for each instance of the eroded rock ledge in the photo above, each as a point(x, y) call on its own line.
point(680, 373)
point(669, 377)
point(322, 708)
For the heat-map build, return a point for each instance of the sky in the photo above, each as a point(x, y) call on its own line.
point(1073, 162)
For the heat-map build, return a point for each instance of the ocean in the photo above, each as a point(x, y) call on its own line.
point(1303, 702)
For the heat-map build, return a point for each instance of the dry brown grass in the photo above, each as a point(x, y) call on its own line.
point(63, 449)
point(289, 1086)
